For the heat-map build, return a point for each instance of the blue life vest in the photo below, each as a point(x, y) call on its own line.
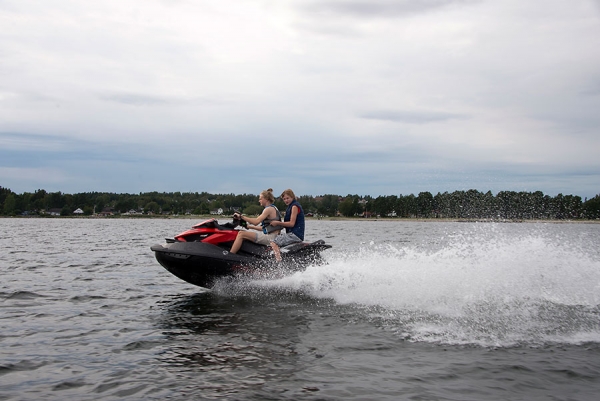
point(298, 228)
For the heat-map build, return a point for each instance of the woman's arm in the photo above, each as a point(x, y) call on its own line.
point(290, 223)
point(257, 220)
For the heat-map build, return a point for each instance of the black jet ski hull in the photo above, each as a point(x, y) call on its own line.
point(202, 264)
point(198, 263)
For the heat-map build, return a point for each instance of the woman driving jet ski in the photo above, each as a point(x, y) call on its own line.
point(265, 232)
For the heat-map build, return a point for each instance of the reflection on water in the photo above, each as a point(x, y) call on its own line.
point(231, 344)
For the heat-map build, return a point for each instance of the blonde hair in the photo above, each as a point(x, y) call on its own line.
point(289, 193)
point(268, 195)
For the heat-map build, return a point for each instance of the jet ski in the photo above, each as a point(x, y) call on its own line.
point(201, 254)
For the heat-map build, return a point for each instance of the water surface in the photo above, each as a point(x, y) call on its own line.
point(402, 310)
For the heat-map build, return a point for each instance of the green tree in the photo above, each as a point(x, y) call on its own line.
point(152, 207)
point(591, 208)
point(424, 204)
point(102, 201)
point(4, 192)
point(349, 206)
point(253, 210)
point(10, 203)
point(384, 205)
point(308, 203)
point(328, 205)
point(203, 208)
point(55, 200)
point(126, 204)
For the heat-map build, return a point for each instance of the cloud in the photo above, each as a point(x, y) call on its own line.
point(137, 99)
point(327, 96)
point(13, 142)
point(38, 178)
point(412, 117)
point(592, 88)
point(383, 9)
point(353, 19)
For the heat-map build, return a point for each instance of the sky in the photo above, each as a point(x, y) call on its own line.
point(321, 96)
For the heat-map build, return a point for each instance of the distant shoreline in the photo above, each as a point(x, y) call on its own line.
point(355, 219)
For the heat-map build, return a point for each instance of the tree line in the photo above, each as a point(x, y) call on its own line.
point(471, 204)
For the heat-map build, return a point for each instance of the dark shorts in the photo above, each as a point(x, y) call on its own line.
point(284, 239)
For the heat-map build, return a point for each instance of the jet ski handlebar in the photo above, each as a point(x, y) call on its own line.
point(237, 221)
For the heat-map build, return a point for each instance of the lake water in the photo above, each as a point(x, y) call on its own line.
point(402, 311)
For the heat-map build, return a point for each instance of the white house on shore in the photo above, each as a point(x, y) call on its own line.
point(78, 211)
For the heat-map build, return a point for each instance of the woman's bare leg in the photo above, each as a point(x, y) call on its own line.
point(242, 235)
point(276, 251)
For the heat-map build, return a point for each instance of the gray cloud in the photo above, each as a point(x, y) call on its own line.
point(593, 89)
point(412, 117)
point(382, 9)
point(136, 99)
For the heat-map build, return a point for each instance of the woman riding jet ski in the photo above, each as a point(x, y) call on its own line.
point(203, 254)
point(267, 231)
